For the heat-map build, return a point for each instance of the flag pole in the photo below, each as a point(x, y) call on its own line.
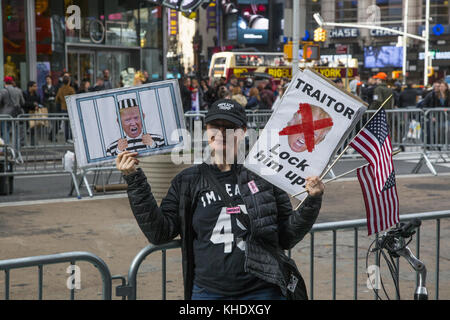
point(333, 179)
point(348, 145)
point(344, 174)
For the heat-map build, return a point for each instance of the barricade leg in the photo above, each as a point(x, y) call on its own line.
point(86, 184)
point(75, 185)
point(424, 159)
point(5, 131)
point(331, 174)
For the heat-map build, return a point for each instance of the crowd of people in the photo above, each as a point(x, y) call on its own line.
point(252, 94)
point(376, 89)
point(199, 94)
point(50, 99)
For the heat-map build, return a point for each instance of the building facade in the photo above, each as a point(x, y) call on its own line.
point(82, 37)
point(378, 50)
point(374, 50)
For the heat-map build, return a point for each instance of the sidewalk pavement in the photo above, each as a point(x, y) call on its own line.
point(106, 227)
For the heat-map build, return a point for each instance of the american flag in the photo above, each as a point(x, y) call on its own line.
point(382, 209)
point(374, 144)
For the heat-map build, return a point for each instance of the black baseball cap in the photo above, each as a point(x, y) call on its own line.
point(227, 109)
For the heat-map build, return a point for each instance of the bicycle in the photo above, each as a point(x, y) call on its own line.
point(395, 243)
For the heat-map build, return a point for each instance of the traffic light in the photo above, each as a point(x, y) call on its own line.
point(320, 35)
point(311, 52)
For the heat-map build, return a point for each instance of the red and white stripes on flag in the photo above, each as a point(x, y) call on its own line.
point(382, 209)
point(377, 179)
point(374, 144)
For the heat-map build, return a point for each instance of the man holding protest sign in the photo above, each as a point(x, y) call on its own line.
point(231, 221)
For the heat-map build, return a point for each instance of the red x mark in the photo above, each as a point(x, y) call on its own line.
point(308, 126)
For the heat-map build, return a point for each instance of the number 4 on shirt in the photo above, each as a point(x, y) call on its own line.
point(222, 232)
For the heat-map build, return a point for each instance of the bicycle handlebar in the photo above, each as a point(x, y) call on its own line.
point(407, 229)
point(404, 230)
point(393, 241)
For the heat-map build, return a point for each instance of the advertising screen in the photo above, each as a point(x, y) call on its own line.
point(253, 22)
point(381, 57)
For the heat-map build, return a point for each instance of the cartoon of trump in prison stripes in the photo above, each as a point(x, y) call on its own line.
point(134, 139)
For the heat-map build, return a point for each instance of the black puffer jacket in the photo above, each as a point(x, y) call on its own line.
point(272, 219)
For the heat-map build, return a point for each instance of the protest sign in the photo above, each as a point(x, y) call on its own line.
point(308, 125)
point(147, 119)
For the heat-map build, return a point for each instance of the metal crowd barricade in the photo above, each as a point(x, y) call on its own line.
point(5, 128)
point(436, 137)
point(39, 143)
point(70, 257)
point(356, 225)
point(190, 119)
point(258, 119)
point(437, 134)
point(403, 127)
point(399, 121)
point(407, 131)
point(130, 290)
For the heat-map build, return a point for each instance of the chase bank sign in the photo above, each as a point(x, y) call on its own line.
point(385, 33)
point(343, 33)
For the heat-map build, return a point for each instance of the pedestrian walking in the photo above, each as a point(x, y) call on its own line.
point(31, 106)
point(186, 97)
point(49, 92)
point(11, 103)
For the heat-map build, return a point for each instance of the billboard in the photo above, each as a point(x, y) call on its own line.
point(249, 19)
point(383, 57)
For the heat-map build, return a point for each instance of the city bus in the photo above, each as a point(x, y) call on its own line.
point(274, 64)
point(240, 64)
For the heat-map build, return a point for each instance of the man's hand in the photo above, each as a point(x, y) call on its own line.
point(147, 139)
point(314, 186)
point(122, 144)
point(126, 162)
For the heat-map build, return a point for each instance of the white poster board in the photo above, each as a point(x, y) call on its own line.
point(309, 123)
point(147, 119)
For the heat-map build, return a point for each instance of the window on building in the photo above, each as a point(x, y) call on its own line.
point(346, 11)
point(439, 11)
point(390, 10)
point(151, 42)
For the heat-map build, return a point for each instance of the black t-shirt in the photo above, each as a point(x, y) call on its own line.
point(219, 245)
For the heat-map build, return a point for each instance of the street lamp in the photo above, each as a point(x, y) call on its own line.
point(318, 19)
